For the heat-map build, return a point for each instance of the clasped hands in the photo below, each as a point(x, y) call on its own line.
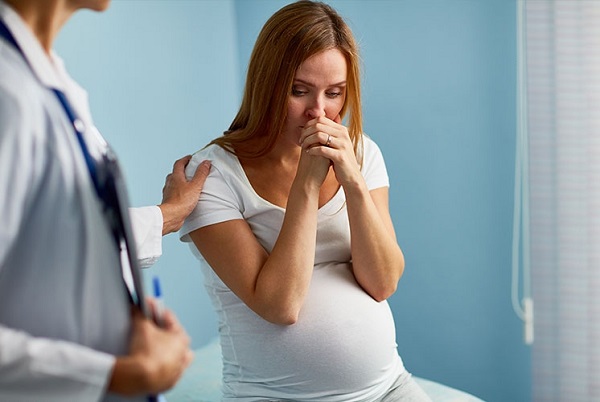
point(330, 140)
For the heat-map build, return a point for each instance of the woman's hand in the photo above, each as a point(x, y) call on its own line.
point(330, 139)
point(313, 168)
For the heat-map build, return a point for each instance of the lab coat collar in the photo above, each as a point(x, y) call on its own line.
point(49, 70)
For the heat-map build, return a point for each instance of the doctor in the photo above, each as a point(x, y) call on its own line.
point(67, 332)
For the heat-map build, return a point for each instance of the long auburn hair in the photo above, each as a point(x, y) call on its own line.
point(293, 34)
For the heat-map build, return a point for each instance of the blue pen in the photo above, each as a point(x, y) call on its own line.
point(159, 319)
point(159, 304)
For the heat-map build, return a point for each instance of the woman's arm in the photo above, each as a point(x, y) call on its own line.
point(273, 285)
point(377, 261)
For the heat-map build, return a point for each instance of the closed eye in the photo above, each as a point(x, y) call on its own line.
point(298, 92)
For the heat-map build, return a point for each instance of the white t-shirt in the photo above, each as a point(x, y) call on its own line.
point(343, 346)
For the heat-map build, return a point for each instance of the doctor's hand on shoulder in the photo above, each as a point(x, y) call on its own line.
point(180, 195)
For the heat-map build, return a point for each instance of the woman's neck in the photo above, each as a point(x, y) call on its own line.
point(45, 18)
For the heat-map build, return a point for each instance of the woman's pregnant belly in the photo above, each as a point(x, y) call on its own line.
point(343, 344)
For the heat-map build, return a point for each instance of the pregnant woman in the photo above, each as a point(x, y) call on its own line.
point(293, 226)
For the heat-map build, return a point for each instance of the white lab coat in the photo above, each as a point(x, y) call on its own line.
point(64, 313)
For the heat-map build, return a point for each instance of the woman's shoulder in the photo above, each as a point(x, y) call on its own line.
point(217, 155)
point(213, 151)
point(368, 147)
point(373, 164)
point(220, 159)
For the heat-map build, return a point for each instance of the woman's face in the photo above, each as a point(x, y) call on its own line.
point(319, 89)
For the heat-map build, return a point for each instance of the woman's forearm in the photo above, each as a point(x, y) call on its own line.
point(284, 278)
point(377, 260)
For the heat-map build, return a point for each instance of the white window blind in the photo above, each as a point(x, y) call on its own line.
point(562, 50)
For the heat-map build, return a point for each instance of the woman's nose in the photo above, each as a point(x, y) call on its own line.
point(316, 108)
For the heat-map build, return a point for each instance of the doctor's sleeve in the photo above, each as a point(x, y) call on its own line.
point(147, 223)
point(40, 369)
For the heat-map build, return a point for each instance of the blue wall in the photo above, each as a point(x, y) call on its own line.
point(439, 98)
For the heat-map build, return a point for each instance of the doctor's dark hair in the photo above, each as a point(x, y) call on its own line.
point(292, 35)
